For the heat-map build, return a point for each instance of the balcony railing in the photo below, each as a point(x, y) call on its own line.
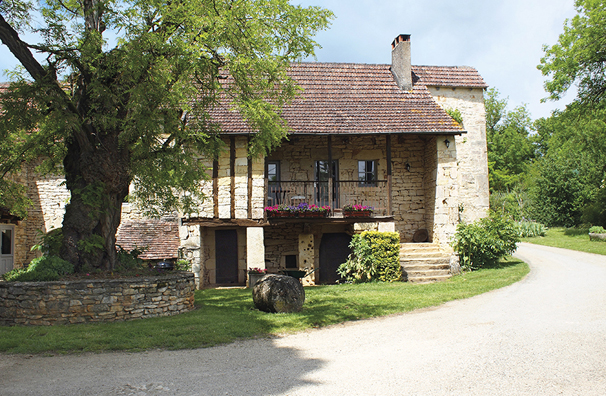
point(336, 194)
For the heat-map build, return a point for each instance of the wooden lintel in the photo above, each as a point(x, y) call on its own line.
point(208, 222)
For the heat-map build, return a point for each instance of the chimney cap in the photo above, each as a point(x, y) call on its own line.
point(399, 39)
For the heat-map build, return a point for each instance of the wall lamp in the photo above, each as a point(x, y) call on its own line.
point(447, 143)
point(407, 166)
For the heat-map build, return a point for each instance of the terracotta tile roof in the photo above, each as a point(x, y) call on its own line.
point(449, 76)
point(345, 98)
point(160, 237)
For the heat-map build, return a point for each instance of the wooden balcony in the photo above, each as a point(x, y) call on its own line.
point(335, 194)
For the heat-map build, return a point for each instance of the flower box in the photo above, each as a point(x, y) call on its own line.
point(358, 213)
point(314, 214)
point(302, 210)
point(280, 214)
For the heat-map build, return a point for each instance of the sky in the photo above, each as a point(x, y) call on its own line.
point(502, 39)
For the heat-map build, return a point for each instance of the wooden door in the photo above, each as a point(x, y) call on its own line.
point(226, 256)
point(334, 250)
point(7, 248)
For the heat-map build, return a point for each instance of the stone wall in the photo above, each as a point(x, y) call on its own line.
point(471, 148)
point(49, 197)
point(64, 302)
point(446, 202)
point(281, 240)
point(410, 204)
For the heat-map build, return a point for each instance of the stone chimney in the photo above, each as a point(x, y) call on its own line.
point(400, 61)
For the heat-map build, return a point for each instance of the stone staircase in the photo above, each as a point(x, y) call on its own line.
point(424, 263)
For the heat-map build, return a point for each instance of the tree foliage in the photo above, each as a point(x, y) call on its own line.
point(569, 178)
point(579, 56)
point(572, 171)
point(126, 93)
point(510, 148)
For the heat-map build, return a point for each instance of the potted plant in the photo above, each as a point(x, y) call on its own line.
point(301, 210)
point(306, 210)
point(357, 210)
point(254, 275)
point(597, 233)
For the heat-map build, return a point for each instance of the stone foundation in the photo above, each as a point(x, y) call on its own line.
point(85, 301)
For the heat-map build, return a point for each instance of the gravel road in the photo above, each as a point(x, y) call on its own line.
point(545, 335)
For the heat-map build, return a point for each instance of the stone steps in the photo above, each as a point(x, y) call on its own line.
point(424, 263)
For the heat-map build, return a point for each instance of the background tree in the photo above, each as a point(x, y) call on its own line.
point(510, 153)
point(136, 108)
point(569, 177)
point(579, 56)
point(571, 174)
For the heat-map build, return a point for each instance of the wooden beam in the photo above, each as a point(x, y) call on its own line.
point(388, 155)
point(232, 175)
point(330, 175)
point(265, 189)
point(250, 184)
point(216, 188)
point(213, 223)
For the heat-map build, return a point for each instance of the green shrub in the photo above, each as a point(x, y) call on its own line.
point(41, 269)
point(485, 241)
point(528, 229)
point(597, 230)
point(129, 259)
point(183, 265)
point(375, 256)
point(50, 243)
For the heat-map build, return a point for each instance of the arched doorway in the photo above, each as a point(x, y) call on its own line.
point(334, 250)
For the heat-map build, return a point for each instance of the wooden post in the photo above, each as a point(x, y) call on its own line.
point(216, 188)
point(330, 175)
point(250, 183)
point(265, 190)
point(232, 175)
point(388, 154)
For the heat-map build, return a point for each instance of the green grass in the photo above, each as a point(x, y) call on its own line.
point(225, 315)
point(569, 238)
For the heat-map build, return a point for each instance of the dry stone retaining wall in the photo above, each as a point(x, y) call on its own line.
point(63, 302)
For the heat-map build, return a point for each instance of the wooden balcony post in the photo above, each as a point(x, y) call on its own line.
point(265, 190)
point(388, 154)
point(216, 188)
point(250, 188)
point(232, 175)
point(330, 175)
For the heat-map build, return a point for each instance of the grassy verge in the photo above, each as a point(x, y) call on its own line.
point(570, 238)
point(225, 315)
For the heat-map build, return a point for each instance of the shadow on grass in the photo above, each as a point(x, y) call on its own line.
point(576, 231)
point(504, 263)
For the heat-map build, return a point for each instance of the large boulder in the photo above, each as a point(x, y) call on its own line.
point(278, 293)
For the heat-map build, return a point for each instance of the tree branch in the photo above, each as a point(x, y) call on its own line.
point(17, 47)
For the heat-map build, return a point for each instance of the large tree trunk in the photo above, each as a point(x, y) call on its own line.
point(98, 179)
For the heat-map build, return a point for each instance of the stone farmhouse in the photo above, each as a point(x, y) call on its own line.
point(376, 135)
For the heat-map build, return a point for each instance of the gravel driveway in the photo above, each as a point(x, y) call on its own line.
point(545, 335)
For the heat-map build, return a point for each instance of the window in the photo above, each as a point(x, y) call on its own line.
point(367, 173)
point(290, 261)
point(273, 178)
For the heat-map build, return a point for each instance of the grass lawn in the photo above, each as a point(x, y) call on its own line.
point(226, 315)
point(570, 238)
